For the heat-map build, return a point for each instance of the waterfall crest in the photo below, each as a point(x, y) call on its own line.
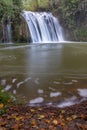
point(43, 27)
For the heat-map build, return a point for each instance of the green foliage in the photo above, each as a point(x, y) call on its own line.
point(81, 34)
point(2, 8)
point(5, 97)
point(3, 110)
point(72, 12)
point(35, 4)
point(5, 100)
point(17, 2)
point(68, 9)
point(8, 1)
point(11, 8)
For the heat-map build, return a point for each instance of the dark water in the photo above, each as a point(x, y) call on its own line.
point(54, 74)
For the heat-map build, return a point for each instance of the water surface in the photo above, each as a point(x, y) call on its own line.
point(54, 74)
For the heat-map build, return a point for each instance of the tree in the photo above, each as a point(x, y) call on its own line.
point(11, 9)
point(72, 11)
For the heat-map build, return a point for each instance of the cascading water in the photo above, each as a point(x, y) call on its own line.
point(43, 27)
point(6, 31)
point(9, 30)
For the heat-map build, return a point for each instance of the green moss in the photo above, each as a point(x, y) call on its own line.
point(81, 34)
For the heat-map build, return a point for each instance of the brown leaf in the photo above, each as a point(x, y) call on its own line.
point(1, 128)
point(55, 122)
point(32, 110)
point(60, 116)
point(15, 127)
point(1, 105)
point(82, 126)
point(74, 116)
point(40, 109)
point(33, 122)
point(3, 123)
point(69, 119)
point(47, 121)
point(62, 123)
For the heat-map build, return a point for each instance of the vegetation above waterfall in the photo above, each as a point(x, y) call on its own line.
point(9, 9)
point(74, 14)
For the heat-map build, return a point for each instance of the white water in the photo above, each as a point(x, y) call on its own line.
point(43, 27)
point(9, 30)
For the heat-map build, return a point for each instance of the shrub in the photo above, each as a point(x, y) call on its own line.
point(6, 99)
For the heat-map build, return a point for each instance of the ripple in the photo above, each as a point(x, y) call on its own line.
point(67, 83)
point(36, 100)
point(14, 91)
point(55, 94)
point(7, 88)
point(36, 81)
point(3, 82)
point(13, 80)
point(22, 82)
point(55, 82)
point(68, 102)
point(75, 81)
point(65, 104)
point(52, 89)
point(82, 92)
point(40, 91)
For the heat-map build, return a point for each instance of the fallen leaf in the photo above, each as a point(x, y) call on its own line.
point(33, 122)
point(74, 116)
point(68, 118)
point(18, 118)
point(47, 121)
point(1, 105)
point(1, 128)
point(55, 122)
point(40, 109)
point(32, 110)
point(82, 126)
point(62, 123)
point(3, 123)
point(60, 116)
point(41, 116)
point(63, 111)
point(9, 100)
point(15, 127)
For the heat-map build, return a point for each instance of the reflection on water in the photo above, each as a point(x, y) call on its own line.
point(54, 74)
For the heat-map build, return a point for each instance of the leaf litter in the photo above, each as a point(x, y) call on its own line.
point(23, 117)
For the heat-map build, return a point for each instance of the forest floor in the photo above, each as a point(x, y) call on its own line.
point(23, 117)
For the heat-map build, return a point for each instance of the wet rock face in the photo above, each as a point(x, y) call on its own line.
point(14, 33)
point(20, 33)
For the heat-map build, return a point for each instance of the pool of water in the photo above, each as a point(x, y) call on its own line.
point(52, 74)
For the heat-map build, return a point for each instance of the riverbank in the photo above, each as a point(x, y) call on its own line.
point(23, 117)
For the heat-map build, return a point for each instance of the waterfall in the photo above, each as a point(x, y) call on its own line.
point(9, 30)
point(6, 31)
point(43, 27)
